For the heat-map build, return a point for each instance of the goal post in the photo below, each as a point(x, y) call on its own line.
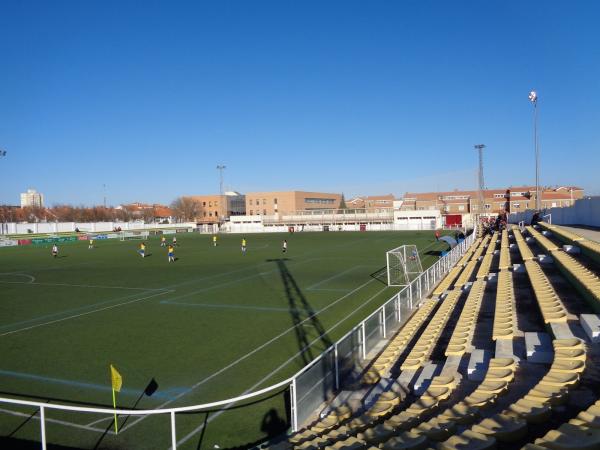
point(403, 265)
point(134, 235)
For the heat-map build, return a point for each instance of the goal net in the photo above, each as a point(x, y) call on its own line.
point(403, 265)
point(134, 235)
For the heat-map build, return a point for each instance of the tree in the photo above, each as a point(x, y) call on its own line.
point(343, 202)
point(185, 208)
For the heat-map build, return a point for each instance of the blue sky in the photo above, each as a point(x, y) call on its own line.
point(350, 96)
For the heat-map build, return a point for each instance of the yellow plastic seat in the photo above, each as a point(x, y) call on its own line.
point(560, 379)
point(569, 436)
point(468, 440)
point(568, 366)
point(532, 412)
point(406, 441)
point(503, 427)
point(437, 429)
point(461, 413)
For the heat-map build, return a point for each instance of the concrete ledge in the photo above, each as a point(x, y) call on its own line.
point(545, 259)
point(424, 379)
point(538, 347)
point(478, 364)
point(591, 326)
point(571, 249)
point(519, 268)
point(505, 349)
point(492, 277)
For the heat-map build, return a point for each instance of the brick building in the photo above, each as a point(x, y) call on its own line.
point(270, 203)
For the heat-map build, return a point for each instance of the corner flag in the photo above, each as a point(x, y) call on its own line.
point(116, 378)
point(116, 381)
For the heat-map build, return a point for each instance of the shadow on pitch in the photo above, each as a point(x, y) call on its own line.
point(380, 275)
point(150, 389)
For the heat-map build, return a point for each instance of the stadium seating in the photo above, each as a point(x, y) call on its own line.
point(552, 308)
point(504, 314)
point(493, 413)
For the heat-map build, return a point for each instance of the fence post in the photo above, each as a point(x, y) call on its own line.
point(410, 296)
point(383, 321)
point(173, 432)
point(398, 307)
point(294, 406)
point(364, 341)
point(337, 367)
point(43, 426)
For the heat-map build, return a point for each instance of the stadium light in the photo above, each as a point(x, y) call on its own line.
point(533, 98)
point(220, 168)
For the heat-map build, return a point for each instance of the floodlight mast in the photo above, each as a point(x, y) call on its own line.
point(221, 168)
point(481, 187)
point(533, 98)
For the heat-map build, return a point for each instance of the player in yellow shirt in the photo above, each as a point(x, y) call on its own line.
point(243, 246)
point(171, 253)
point(163, 241)
point(91, 244)
point(142, 250)
point(214, 240)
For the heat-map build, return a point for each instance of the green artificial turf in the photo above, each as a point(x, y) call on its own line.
point(212, 325)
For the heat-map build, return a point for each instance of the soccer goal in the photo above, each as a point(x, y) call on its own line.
point(403, 265)
point(134, 235)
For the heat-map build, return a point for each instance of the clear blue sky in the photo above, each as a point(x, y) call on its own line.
point(359, 97)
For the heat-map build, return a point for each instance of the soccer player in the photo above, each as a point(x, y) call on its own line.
point(284, 247)
point(142, 250)
point(243, 246)
point(214, 240)
point(174, 241)
point(163, 241)
point(413, 256)
point(171, 253)
point(55, 250)
point(91, 244)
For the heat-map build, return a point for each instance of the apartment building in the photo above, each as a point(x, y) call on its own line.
point(374, 203)
point(216, 208)
point(270, 203)
point(512, 199)
point(32, 198)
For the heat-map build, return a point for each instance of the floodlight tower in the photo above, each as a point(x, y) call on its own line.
point(481, 187)
point(222, 201)
point(221, 168)
point(104, 191)
point(533, 98)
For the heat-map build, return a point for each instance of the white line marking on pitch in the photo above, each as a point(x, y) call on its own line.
point(60, 422)
point(241, 307)
point(247, 355)
point(74, 316)
point(188, 436)
point(333, 277)
point(94, 286)
point(19, 274)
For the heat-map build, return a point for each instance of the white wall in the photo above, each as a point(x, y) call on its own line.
point(583, 212)
point(61, 227)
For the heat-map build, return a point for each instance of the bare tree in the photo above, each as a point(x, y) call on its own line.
point(185, 208)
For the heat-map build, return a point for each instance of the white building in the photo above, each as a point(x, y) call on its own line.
point(32, 198)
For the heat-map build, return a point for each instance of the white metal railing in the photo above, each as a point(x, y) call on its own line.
point(411, 294)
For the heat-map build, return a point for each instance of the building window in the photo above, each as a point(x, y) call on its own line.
point(265, 212)
point(210, 204)
point(204, 204)
point(487, 206)
point(461, 207)
point(216, 214)
point(250, 202)
point(210, 214)
point(204, 213)
point(274, 201)
point(319, 200)
point(216, 203)
point(516, 205)
point(251, 212)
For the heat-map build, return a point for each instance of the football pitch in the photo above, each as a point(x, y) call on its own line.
point(212, 325)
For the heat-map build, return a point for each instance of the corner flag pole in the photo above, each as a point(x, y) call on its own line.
point(115, 407)
point(116, 381)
